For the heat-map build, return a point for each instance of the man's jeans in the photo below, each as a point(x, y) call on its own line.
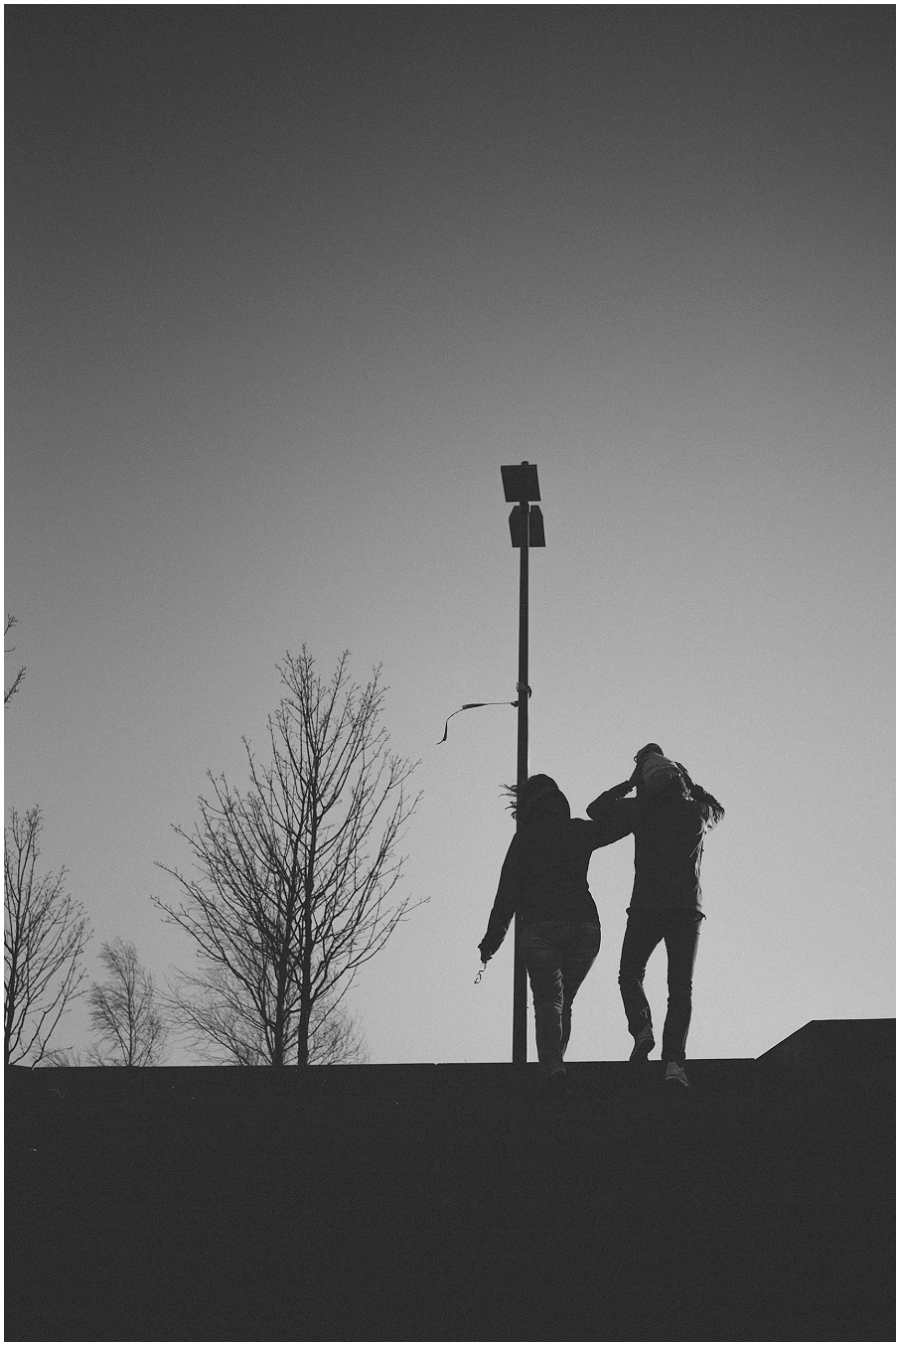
point(680, 928)
point(558, 956)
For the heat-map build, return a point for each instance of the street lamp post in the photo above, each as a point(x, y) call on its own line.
point(526, 527)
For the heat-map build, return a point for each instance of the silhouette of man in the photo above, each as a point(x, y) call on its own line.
point(669, 819)
point(544, 882)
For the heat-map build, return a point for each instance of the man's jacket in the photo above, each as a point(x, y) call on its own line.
point(669, 830)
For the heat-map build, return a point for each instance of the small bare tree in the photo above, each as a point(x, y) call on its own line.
point(124, 1013)
point(16, 683)
point(65, 1056)
point(211, 1013)
point(335, 1037)
point(296, 875)
point(46, 931)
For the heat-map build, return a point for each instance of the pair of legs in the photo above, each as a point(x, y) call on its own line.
point(558, 956)
point(680, 928)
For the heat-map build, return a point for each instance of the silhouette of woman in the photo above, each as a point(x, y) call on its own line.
point(544, 882)
point(669, 818)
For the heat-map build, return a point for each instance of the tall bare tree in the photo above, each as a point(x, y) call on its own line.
point(10, 691)
point(297, 874)
point(211, 1011)
point(46, 931)
point(125, 1016)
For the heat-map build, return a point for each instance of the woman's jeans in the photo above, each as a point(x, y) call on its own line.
point(680, 928)
point(558, 956)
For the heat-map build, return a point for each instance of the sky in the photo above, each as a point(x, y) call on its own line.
point(287, 285)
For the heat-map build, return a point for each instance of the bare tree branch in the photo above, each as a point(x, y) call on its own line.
point(124, 1013)
point(217, 1026)
point(295, 876)
point(44, 939)
point(16, 683)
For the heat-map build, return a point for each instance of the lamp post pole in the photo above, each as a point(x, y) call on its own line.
point(526, 526)
point(523, 691)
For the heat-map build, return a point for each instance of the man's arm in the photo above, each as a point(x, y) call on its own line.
point(616, 815)
point(709, 816)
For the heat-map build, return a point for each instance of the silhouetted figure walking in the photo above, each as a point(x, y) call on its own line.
point(544, 882)
point(669, 818)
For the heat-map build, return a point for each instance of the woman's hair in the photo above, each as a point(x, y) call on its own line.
point(702, 796)
point(529, 804)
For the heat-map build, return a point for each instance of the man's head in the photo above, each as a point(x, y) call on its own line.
point(657, 777)
point(637, 775)
point(643, 752)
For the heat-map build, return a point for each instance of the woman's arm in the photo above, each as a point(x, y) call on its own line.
point(504, 907)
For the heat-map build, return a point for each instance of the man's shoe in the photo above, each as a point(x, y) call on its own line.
point(644, 1043)
point(675, 1074)
point(556, 1084)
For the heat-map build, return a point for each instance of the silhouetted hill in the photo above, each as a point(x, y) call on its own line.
point(454, 1203)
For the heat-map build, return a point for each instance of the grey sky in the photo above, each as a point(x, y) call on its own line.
point(286, 285)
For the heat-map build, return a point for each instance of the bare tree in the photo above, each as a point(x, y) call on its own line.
point(124, 1013)
point(297, 874)
point(211, 1012)
point(65, 1056)
point(46, 931)
point(16, 683)
point(335, 1036)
